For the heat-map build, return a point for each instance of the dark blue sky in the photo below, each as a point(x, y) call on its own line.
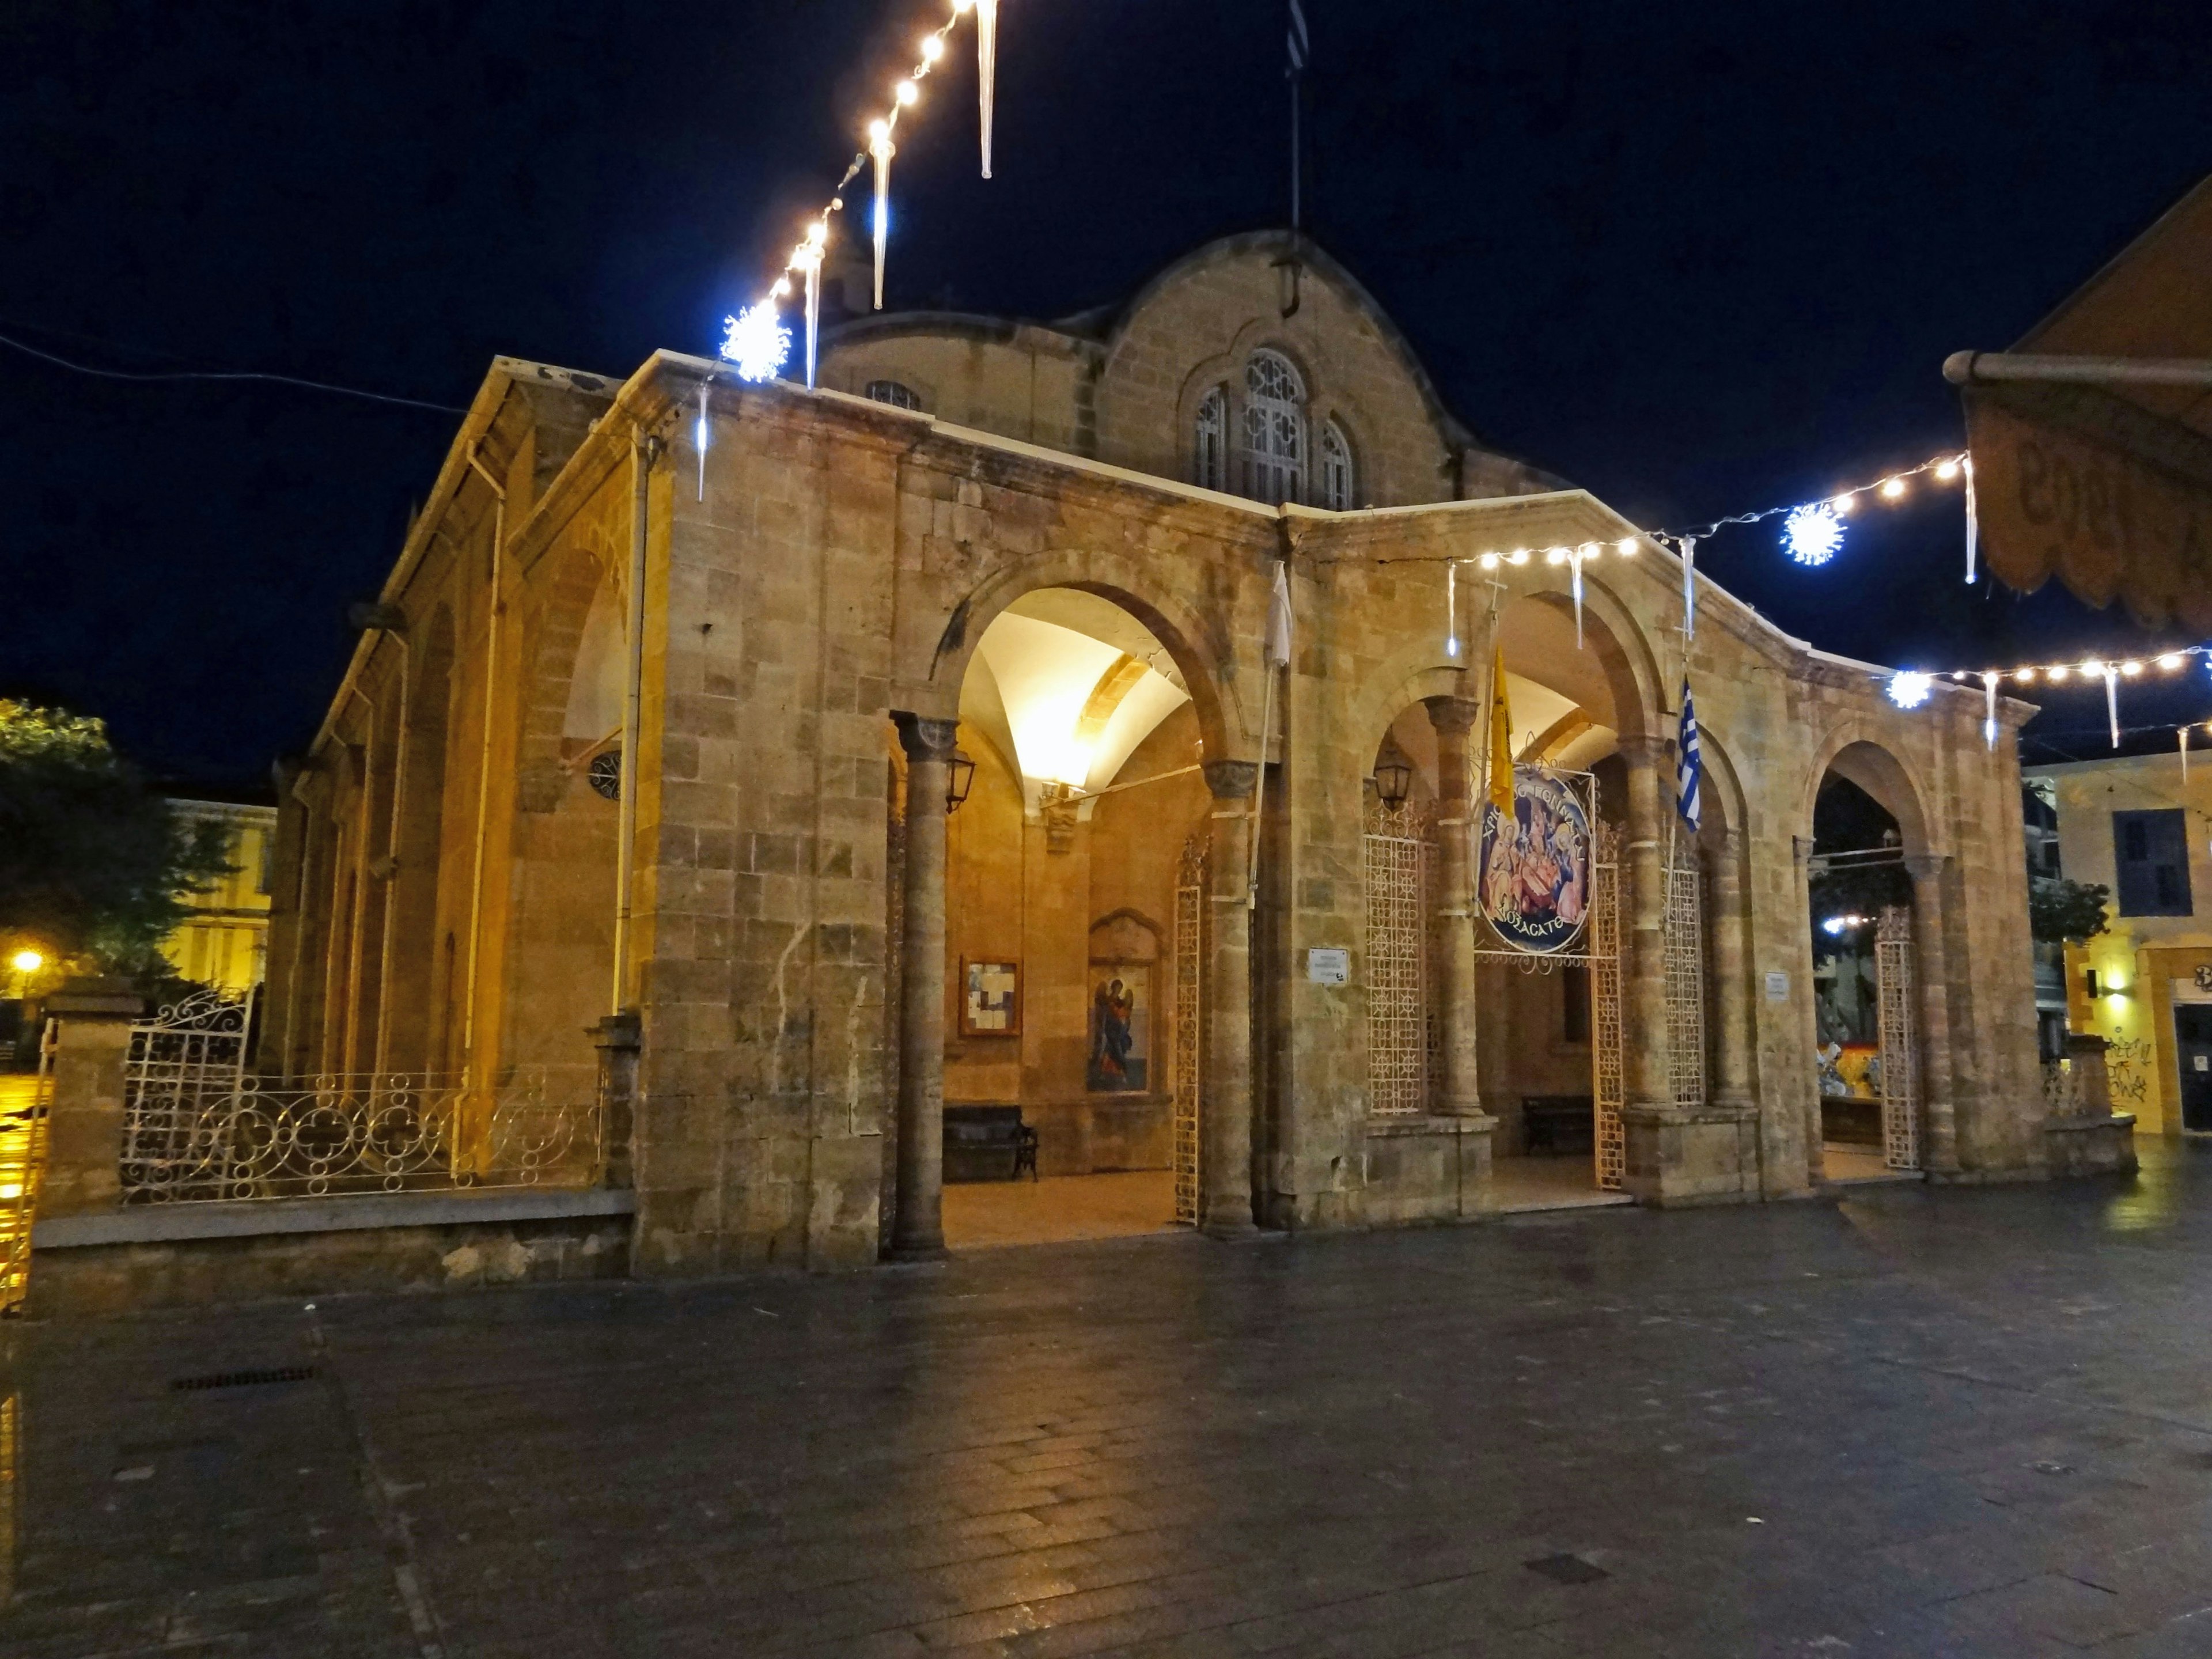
point(1698, 258)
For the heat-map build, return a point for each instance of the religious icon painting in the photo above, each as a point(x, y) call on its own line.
point(1121, 1028)
point(990, 999)
point(1535, 864)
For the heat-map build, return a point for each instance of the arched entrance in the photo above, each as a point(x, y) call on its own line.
point(1864, 983)
point(1074, 892)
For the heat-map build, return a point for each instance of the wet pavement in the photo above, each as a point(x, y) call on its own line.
point(1914, 1423)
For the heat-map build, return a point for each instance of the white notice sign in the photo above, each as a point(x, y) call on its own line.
point(1777, 987)
point(1329, 967)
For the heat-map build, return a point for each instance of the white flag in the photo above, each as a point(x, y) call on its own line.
point(1278, 646)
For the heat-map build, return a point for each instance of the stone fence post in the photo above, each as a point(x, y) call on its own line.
point(618, 1038)
point(2083, 1135)
point(84, 1129)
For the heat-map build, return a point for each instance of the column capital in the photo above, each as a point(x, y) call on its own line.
point(1925, 866)
point(1640, 749)
point(1231, 780)
point(1452, 715)
point(923, 739)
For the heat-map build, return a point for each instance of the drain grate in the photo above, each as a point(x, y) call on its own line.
point(243, 1379)
point(1566, 1569)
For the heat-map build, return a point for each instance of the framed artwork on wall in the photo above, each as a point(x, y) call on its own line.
point(990, 999)
point(1121, 1029)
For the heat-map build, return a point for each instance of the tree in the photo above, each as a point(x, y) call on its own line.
point(2063, 912)
point(92, 866)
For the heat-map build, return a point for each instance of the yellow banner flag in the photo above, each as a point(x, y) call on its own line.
point(1501, 737)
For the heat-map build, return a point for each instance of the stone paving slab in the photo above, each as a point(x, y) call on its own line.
point(1919, 1422)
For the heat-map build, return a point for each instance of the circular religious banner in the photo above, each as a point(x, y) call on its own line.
point(1535, 864)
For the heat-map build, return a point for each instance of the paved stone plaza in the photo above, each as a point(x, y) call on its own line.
point(1919, 1422)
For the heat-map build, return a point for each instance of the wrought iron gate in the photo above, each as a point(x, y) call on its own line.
point(1397, 858)
point(1189, 948)
point(1684, 950)
point(22, 1164)
point(1609, 1080)
point(1901, 1062)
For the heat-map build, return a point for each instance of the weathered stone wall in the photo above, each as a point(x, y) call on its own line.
point(1125, 387)
point(841, 565)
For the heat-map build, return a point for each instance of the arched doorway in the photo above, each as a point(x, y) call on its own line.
point(1864, 985)
point(1073, 881)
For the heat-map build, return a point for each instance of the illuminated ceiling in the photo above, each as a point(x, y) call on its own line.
point(1065, 686)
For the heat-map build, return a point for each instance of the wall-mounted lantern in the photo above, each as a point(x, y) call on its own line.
point(1394, 780)
point(959, 777)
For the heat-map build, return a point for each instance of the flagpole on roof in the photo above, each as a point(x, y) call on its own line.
point(1295, 39)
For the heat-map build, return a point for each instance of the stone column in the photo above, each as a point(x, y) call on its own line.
point(1931, 987)
point(618, 1038)
point(1734, 1012)
point(1225, 1109)
point(84, 1124)
point(917, 1227)
point(1643, 976)
point(1452, 717)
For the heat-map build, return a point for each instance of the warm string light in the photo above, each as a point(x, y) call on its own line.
point(756, 339)
point(1812, 531)
point(1910, 687)
point(1625, 548)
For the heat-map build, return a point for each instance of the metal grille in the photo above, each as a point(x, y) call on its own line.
point(1274, 430)
point(1608, 1083)
point(1685, 958)
point(1190, 955)
point(1395, 857)
point(386, 1133)
point(190, 1054)
point(1900, 1064)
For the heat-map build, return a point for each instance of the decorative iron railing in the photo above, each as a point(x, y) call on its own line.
point(543, 1127)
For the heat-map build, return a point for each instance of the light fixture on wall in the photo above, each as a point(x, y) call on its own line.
point(959, 776)
point(1394, 779)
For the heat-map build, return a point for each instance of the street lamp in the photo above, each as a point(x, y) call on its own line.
point(959, 776)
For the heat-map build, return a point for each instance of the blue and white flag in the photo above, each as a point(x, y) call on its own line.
point(1689, 764)
point(1298, 44)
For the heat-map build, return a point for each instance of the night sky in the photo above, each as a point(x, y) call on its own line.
point(1699, 259)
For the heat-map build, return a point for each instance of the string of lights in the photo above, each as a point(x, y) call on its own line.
point(756, 339)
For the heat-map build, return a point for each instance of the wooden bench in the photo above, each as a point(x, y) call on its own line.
point(1558, 1123)
point(988, 1143)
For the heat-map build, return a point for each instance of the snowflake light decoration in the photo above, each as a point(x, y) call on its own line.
point(757, 341)
point(1909, 689)
point(1812, 534)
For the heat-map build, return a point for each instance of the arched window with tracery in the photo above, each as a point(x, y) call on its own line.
point(1274, 430)
point(1210, 442)
point(896, 393)
point(1334, 481)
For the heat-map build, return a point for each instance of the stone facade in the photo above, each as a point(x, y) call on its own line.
point(770, 652)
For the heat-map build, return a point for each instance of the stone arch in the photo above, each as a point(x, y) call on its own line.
point(572, 577)
point(1314, 264)
point(1853, 752)
point(1179, 629)
point(1611, 633)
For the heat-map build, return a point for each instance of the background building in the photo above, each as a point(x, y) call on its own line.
point(2132, 825)
point(225, 940)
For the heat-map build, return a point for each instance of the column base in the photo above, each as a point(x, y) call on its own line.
point(918, 1253)
point(1229, 1230)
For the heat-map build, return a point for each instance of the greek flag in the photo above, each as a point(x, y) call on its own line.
point(1689, 764)
point(1297, 37)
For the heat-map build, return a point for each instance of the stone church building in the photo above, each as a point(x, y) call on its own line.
point(813, 764)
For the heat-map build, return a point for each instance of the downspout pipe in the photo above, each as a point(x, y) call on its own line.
point(1969, 368)
point(644, 450)
point(349, 1031)
point(483, 760)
